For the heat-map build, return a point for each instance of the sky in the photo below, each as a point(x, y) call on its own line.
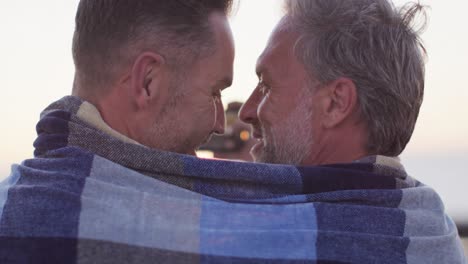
point(36, 68)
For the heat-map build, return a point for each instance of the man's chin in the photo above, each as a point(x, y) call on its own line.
point(258, 152)
point(193, 150)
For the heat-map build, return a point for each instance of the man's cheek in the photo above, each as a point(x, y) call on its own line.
point(262, 111)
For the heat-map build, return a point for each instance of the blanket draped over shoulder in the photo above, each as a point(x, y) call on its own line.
point(91, 195)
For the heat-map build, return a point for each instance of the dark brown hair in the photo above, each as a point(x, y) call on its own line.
point(109, 34)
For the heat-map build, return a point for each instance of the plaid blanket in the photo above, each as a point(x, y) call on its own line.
point(92, 195)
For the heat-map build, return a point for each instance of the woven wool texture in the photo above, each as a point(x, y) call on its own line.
point(91, 195)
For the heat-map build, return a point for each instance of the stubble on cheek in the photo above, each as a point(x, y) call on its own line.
point(288, 143)
point(264, 150)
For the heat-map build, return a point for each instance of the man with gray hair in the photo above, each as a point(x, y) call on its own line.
point(341, 84)
point(338, 81)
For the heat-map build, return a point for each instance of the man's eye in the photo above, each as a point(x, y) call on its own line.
point(263, 88)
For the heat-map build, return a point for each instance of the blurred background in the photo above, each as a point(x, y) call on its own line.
point(36, 68)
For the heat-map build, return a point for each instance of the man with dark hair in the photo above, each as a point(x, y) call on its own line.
point(149, 76)
point(155, 69)
point(340, 86)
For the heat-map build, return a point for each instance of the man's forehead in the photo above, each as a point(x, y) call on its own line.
point(279, 48)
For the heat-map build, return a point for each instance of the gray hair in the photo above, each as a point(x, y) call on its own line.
point(374, 44)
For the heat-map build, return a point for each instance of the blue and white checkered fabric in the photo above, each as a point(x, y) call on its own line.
point(89, 197)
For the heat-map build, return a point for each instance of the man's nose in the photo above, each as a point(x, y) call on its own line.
point(220, 119)
point(248, 112)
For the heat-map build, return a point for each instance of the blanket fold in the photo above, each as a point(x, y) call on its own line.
point(91, 195)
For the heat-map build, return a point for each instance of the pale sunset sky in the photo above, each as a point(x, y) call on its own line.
point(36, 68)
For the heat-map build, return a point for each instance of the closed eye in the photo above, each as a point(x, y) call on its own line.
point(262, 87)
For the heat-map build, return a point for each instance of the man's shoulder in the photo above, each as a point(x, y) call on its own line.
point(50, 182)
point(63, 161)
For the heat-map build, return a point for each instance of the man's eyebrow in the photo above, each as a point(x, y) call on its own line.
point(260, 67)
point(259, 71)
point(262, 72)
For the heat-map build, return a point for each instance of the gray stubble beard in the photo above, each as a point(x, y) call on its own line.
point(296, 145)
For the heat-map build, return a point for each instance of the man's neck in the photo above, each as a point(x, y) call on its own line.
point(339, 146)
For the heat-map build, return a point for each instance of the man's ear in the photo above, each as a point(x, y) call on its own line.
point(340, 102)
point(149, 80)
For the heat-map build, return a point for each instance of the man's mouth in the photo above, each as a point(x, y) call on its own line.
point(208, 138)
point(257, 133)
